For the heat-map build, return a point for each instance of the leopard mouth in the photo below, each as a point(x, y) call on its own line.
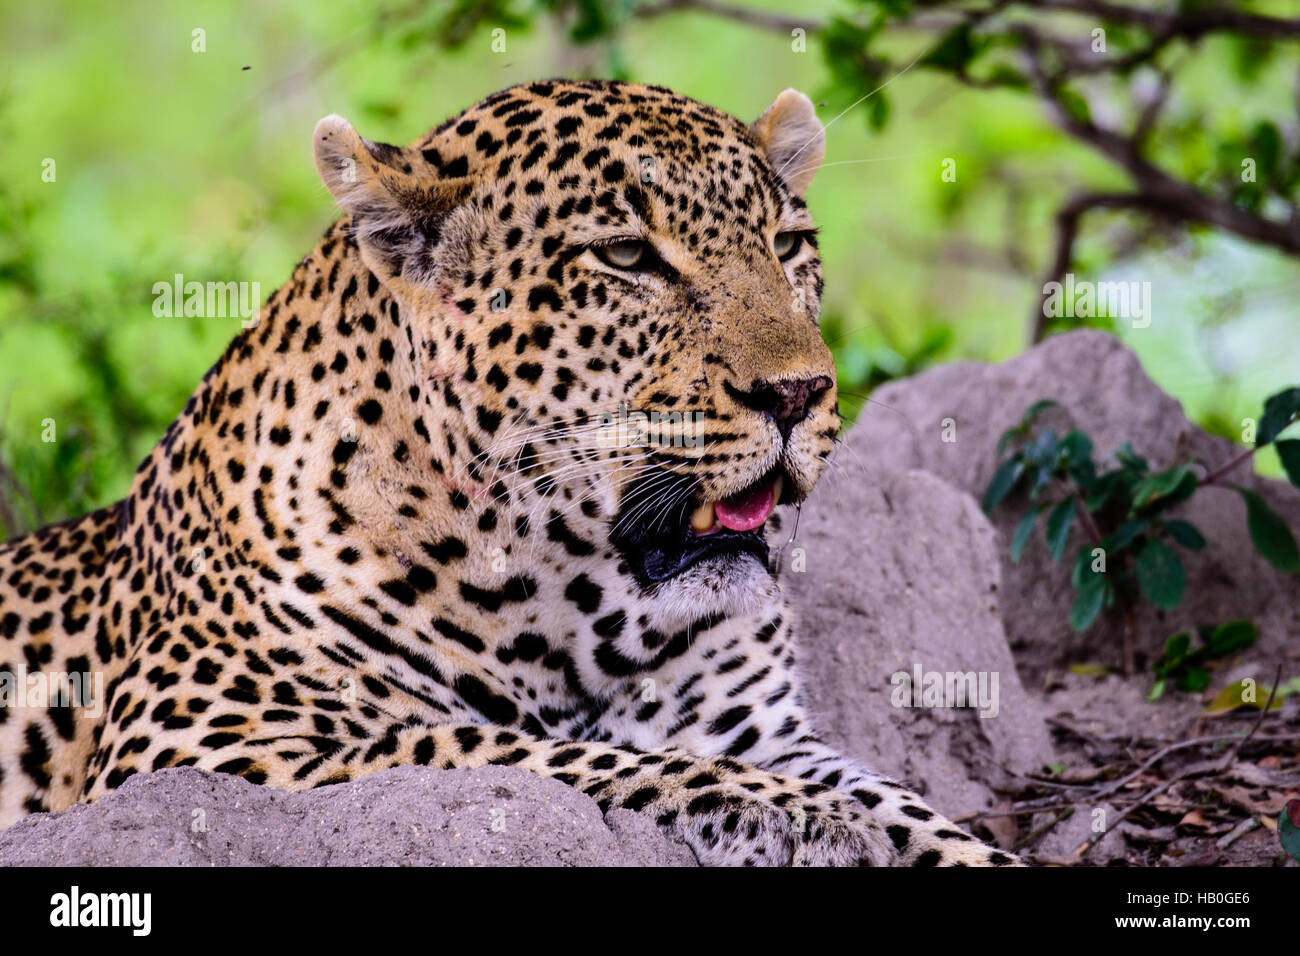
point(660, 544)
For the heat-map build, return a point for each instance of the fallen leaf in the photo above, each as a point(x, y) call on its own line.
point(1198, 820)
point(1166, 801)
point(1089, 670)
point(1005, 830)
point(1269, 802)
point(1252, 774)
point(1235, 696)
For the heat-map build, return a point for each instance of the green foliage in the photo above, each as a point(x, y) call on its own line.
point(1288, 828)
point(1130, 541)
point(955, 49)
point(1185, 666)
point(1269, 533)
point(1280, 410)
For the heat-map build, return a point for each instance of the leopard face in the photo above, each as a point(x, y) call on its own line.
point(610, 293)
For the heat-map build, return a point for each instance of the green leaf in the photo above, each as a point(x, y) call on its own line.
point(953, 51)
point(1003, 75)
point(593, 21)
point(1269, 533)
point(1074, 104)
point(1288, 828)
point(1077, 446)
point(1084, 474)
point(1265, 147)
point(1194, 681)
point(1280, 410)
point(1023, 530)
point(1156, 692)
point(1004, 479)
point(1082, 566)
point(1124, 535)
point(878, 111)
point(1249, 57)
point(1176, 647)
point(1042, 451)
point(1182, 491)
point(1088, 602)
point(1160, 575)
point(1089, 670)
point(1130, 459)
point(1164, 484)
point(1039, 479)
point(1058, 527)
point(1234, 696)
point(1289, 451)
point(1229, 638)
point(1185, 533)
point(1076, 451)
point(1022, 427)
point(1036, 409)
point(1101, 491)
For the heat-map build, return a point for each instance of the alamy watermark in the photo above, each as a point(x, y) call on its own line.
point(133, 911)
point(207, 300)
point(81, 689)
point(1082, 299)
point(923, 688)
point(637, 429)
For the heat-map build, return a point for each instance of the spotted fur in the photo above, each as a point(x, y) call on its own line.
point(385, 530)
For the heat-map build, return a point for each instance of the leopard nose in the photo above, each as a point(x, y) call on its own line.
point(786, 401)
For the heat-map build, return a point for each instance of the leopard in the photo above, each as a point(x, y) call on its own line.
point(493, 479)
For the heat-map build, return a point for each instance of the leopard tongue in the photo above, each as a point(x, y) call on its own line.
point(743, 511)
point(748, 509)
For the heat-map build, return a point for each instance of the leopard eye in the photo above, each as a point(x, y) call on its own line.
point(626, 254)
point(786, 244)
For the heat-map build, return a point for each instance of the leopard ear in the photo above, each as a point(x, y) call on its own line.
point(793, 139)
point(396, 199)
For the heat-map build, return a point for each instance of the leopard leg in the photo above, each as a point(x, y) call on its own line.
point(738, 693)
point(921, 835)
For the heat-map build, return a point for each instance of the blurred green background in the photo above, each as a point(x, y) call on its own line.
point(169, 160)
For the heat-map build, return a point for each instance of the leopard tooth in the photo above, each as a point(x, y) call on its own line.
point(702, 518)
point(777, 487)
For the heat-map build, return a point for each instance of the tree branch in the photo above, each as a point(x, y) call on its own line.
point(1067, 231)
point(1192, 24)
point(1157, 192)
point(1228, 466)
point(756, 18)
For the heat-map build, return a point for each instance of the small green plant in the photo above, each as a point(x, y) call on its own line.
point(1123, 508)
point(1185, 666)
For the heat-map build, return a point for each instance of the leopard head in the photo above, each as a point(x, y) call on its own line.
point(610, 293)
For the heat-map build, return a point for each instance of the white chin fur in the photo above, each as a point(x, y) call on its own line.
point(721, 586)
